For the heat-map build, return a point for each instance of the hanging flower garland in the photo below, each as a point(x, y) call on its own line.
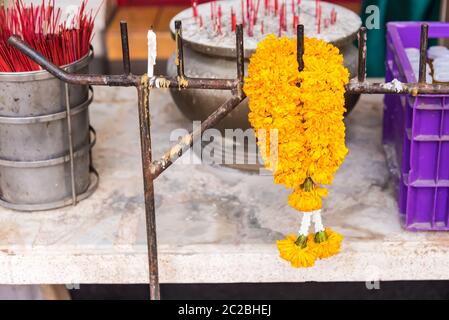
point(306, 111)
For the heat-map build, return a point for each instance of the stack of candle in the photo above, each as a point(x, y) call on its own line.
point(440, 63)
point(437, 52)
point(413, 55)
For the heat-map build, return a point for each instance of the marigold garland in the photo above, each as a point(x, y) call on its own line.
point(306, 110)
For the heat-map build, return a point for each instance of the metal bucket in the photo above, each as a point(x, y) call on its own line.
point(45, 160)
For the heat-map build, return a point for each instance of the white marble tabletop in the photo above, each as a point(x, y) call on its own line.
point(215, 224)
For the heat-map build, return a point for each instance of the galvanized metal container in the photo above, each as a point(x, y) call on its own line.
point(44, 154)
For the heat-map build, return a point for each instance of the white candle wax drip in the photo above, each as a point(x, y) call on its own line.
point(152, 52)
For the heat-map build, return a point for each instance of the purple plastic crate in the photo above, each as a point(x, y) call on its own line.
point(416, 135)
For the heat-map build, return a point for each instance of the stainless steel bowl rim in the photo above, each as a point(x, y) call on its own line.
point(44, 74)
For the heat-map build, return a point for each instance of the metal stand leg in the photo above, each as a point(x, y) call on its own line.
point(145, 140)
point(69, 132)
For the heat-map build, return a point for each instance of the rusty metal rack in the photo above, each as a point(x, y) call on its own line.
point(153, 168)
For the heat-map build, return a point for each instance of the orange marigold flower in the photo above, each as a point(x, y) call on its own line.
point(328, 248)
point(307, 201)
point(297, 256)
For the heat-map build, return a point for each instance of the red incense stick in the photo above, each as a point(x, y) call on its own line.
point(219, 20)
point(195, 9)
point(319, 19)
point(295, 22)
point(281, 20)
point(285, 16)
point(62, 41)
point(251, 27)
point(233, 20)
point(256, 12)
point(243, 14)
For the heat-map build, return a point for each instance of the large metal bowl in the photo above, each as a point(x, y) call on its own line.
point(209, 59)
point(35, 171)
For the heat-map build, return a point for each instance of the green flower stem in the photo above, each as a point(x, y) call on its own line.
point(320, 237)
point(301, 241)
point(308, 185)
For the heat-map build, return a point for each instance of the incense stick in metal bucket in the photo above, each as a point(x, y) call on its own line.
point(45, 160)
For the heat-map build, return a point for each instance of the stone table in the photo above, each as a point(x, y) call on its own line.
point(215, 224)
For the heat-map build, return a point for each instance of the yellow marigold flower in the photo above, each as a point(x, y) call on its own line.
point(328, 248)
point(307, 201)
point(297, 256)
point(305, 108)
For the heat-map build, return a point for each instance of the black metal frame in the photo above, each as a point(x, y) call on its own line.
point(152, 169)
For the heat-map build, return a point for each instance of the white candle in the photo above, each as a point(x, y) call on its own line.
point(442, 77)
point(152, 52)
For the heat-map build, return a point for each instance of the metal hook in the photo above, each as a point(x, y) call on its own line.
point(362, 38)
point(300, 46)
point(125, 47)
point(423, 53)
point(179, 49)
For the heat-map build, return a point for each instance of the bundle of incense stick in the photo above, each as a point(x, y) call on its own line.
point(62, 40)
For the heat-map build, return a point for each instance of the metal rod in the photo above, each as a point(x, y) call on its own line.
point(240, 53)
point(120, 80)
point(70, 136)
point(355, 87)
point(125, 47)
point(300, 46)
point(196, 83)
point(186, 142)
point(179, 49)
point(423, 52)
point(362, 37)
point(145, 140)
